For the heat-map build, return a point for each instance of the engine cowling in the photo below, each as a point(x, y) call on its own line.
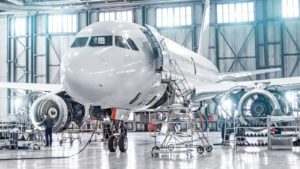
point(60, 108)
point(255, 105)
point(55, 107)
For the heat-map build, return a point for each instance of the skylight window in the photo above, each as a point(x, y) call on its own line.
point(20, 26)
point(117, 15)
point(235, 12)
point(175, 16)
point(62, 23)
point(290, 8)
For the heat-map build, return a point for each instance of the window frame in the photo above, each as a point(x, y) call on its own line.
point(87, 42)
point(134, 48)
point(115, 39)
point(19, 25)
point(116, 15)
point(97, 36)
point(165, 15)
point(225, 15)
point(290, 14)
point(56, 23)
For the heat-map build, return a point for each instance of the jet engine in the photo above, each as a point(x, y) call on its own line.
point(255, 105)
point(60, 108)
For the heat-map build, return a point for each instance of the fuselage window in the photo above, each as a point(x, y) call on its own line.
point(79, 42)
point(132, 44)
point(101, 41)
point(121, 42)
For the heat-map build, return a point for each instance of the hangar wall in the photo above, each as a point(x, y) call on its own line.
point(3, 65)
point(268, 42)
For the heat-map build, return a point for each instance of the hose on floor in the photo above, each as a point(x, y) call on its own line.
point(55, 157)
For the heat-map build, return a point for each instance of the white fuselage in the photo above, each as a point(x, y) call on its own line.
point(114, 76)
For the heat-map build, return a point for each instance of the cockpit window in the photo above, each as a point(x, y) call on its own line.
point(101, 41)
point(79, 42)
point(121, 42)
point(132, 44)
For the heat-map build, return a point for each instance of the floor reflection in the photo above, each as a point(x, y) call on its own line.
point(138, 156)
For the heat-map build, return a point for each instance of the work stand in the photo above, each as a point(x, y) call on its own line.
point(171, 139)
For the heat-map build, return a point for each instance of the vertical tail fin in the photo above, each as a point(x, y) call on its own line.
point(203, 48)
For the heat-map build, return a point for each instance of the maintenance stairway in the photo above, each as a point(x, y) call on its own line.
point(170, 71)
point(178, 113)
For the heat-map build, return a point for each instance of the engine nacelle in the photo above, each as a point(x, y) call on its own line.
point(61, 108)
point(55, 107)
point(255, 105)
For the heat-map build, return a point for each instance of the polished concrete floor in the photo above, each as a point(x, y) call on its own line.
point(138, 156)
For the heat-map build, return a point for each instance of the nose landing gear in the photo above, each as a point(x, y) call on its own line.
point(119, 138)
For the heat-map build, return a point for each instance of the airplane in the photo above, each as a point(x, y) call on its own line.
point(115, 68)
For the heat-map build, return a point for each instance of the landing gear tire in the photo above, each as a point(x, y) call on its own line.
point(155, 154)
point(209, 148)
point(200, 149)
point(112, 143)
point(123, 143)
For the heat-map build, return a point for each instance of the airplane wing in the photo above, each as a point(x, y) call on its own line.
point(236, 75)
point(31, 86)
point(212, 90)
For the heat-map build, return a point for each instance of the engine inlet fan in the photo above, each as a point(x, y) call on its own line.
point(256, 105)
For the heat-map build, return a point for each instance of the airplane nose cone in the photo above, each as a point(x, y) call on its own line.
point(78, 79)
point(106, 77)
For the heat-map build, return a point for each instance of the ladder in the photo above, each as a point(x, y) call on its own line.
point(229, 132)
point(176, 78)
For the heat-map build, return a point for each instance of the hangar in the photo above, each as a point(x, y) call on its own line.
point(149, 84)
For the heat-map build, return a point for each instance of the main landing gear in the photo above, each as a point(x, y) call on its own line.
point(119, 138)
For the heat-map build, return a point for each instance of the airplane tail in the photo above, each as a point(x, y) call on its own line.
point(203, 48)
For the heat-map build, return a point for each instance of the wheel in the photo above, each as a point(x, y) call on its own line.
point(112, 143)
point(209, 148)
point(155, 154)
point(36, 147)
point(123, 143)
point(200, 149)
point(171, 147)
